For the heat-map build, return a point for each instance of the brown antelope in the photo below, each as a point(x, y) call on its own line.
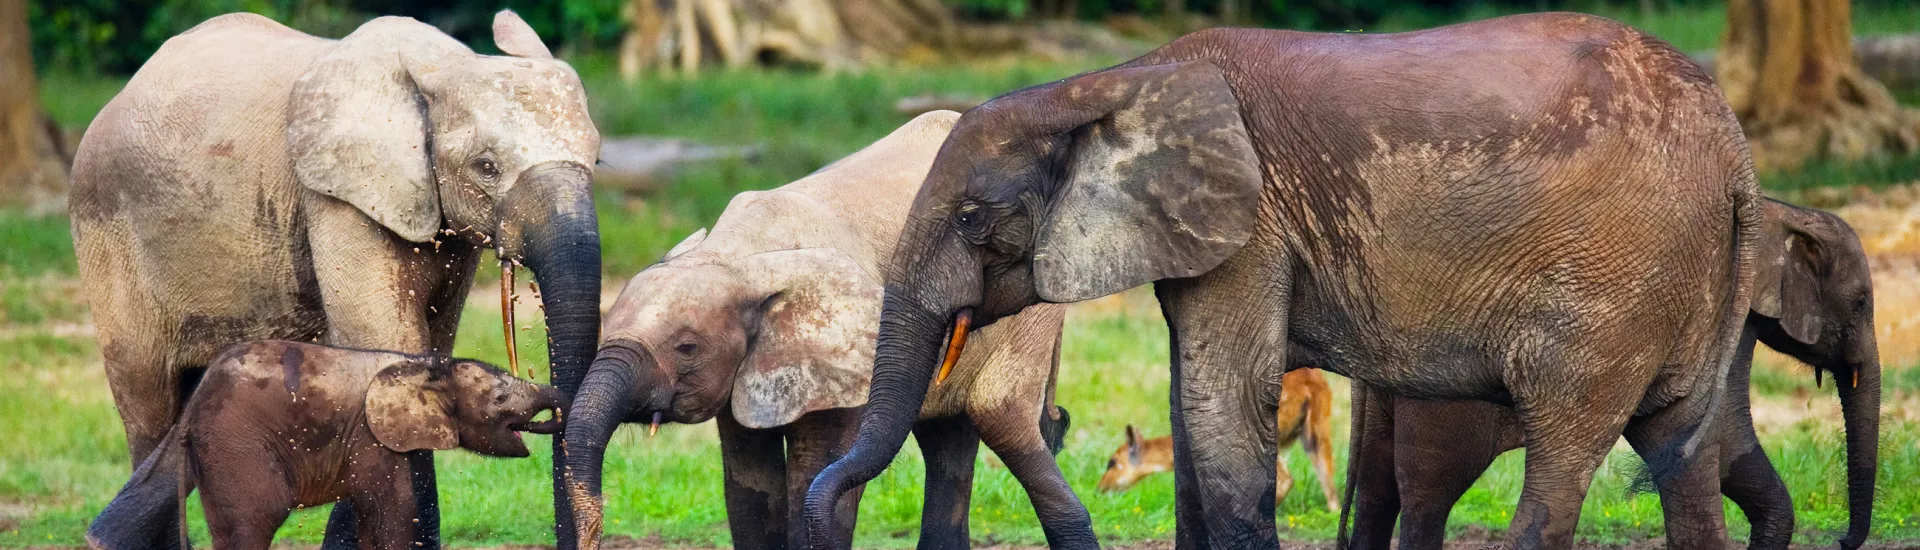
point(1306, 414)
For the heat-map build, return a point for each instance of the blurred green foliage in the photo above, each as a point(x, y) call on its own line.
point(115, 36)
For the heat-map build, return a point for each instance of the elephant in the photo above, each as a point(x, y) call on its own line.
point(1813, 300)
point(767, 324)
point(252, 182)
point(279, 425)
point(1552, 211)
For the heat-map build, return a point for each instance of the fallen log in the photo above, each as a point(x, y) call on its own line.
point(1894, 60)
point(642, 164)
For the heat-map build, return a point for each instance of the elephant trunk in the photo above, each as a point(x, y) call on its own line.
point(1860, 405)
point(547, 222)
point(905, 357)
point(612, 392)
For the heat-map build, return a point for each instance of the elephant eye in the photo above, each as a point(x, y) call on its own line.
point(686, 348)
point(486, 168)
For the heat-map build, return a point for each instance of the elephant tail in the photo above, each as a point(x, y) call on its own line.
point(1054, 420)
point(150, 509)
point(1748, 215)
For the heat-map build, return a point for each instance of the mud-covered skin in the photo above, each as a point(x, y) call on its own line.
point(1554, 211)
point(766, 325)
point(253, 182)
point(1814, 276)
point(278, 425)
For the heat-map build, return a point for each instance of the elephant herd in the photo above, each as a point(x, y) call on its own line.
point(1537, 230)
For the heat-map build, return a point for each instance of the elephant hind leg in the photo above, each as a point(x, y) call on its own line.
point(147, 391)
point(1689, 488)
point(1568, 435)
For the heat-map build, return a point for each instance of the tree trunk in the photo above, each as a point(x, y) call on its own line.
point(33, 161)
point(830, 34)
point(1787, 67)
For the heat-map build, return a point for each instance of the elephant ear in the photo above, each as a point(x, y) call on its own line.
point(516, 38)
point(357, 131)
point(814, 346)
point(1162, 182)
point(1795, 297)
point(689, 243)
point(408, 408)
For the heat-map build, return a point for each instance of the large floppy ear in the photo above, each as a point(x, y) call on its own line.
point(1800, 290)
point(814, 346)
point(514, 37)
point(357, 131)
point(1161, 181)
point(408, 408)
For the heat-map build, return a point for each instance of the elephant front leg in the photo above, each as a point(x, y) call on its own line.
point(950, 446)
point(1223, 407)
point(377, 289)
point(818, 439)
point(1016, 439)
point(755, 465)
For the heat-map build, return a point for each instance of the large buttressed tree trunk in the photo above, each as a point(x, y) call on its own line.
point(1788, 70)
point(33, 161)
point(830, 34)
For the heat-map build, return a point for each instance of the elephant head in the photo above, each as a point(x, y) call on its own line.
point(1813, 300)
point(427, 138)
point(1058, 193)
point(438, 404)
point(771, 336)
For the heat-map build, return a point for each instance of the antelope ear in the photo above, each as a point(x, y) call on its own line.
point(516, 38)
point(689, 243)
point(814, 347)
point(1162, 181)
point(1133, 444)
point(408, 408)
point(357, 130)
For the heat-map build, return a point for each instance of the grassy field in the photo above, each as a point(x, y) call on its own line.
point(62, 455)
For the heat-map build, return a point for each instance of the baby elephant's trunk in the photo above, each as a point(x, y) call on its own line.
point(148, 512)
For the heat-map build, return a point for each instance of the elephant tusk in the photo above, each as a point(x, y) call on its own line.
point(506, 316)
point(962, 320)
point(654, 427)
point(1816, 378)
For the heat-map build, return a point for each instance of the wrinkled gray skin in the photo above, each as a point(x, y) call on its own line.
point(277, 426)
point(252, 182)
point(767, 325)
point(1552, 211)
point(1813, 300)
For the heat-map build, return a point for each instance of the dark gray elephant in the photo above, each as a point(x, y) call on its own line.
point(1553, 211)
point(1813, 300)
point(767, 325)
point(253, 182)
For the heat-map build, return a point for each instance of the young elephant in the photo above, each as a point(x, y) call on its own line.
point(767, 324)
point(1305, 414)
point(1813, 300)
point(280, 425)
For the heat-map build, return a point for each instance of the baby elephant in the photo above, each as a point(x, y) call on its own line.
point(277, 425)
point(1305, 415)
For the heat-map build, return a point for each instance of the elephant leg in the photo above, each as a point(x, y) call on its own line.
point(1750, 480)
point(377, 290)
point(1689, 489)
point(244, 508)
point(1013, 433)
point(1441, 448)
point(755, 466)
point(950, 446)
point(384, 507)
point(1568, 433)
point(819, 439)
point(1227, 328)
point(1370, 468)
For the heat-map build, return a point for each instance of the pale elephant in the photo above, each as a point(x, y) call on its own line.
point(767, 324)
point(253, 182)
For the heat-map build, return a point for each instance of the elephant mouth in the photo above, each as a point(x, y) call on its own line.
point(544, 427)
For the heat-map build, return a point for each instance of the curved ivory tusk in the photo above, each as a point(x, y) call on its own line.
point(962, 320)
point(506, 316)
